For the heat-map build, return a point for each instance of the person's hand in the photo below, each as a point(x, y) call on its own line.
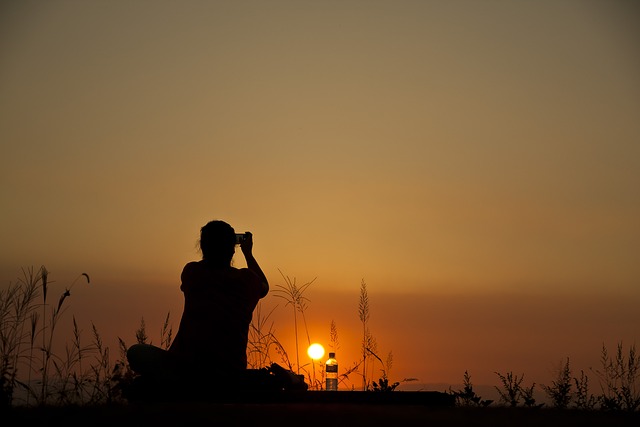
point(247, 243)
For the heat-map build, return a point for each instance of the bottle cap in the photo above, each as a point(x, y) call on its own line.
point(332, 355)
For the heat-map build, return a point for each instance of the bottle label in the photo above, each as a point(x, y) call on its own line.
point(332, 368)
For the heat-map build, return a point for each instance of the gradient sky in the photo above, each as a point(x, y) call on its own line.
point(476, 163)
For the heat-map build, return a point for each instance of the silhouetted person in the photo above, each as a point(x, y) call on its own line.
point(210, 347)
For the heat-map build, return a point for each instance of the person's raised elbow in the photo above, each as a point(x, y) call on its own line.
point(264, 290)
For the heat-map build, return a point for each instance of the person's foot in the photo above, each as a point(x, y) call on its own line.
point(289, 380)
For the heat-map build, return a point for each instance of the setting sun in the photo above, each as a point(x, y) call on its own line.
point(315, 351)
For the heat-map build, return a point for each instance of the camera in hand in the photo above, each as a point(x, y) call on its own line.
point(240, 237)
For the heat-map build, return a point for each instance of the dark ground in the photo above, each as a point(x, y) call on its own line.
point(321, 410)
point(306, 415)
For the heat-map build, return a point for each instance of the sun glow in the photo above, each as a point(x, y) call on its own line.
point(315, 351)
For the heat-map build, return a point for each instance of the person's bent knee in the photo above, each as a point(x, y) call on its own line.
point(147, 359)
point(135, 356)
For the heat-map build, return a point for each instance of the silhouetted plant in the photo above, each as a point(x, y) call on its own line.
point(383, 382)
point(529, 400)
point(61, 379)
point(512, 391)
point(383, 385)
point(166, 333)
point(371, 347)
point(367, 339)
point(583, 399)
point(467, 396)
point(122, 375)
point(17, 307)
point(619, 379)
point(559, 392)
point(6, 392)
point(102, 372)
point(294, 296)
point(48, 329)
point(72, 377)
point(344, 374)
point(141, 332)
point(333, 336)
point(77, 384)
point(260, 342)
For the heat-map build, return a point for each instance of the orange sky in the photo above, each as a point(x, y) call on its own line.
point(476, 163)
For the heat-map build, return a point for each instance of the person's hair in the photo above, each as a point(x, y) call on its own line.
point(218, 242)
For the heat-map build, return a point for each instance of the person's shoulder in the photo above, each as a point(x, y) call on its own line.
point(192, 264)
point(191, 268)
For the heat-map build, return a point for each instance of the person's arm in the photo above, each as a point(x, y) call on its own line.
point(247, 249)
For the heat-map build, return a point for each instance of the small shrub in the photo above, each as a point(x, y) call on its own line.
point(467, 396)
point(510, 391)
point(619, 380)
point(583, 399)
point(383, 385)
point(513, 391)
point(527, 396)
point(559, 392)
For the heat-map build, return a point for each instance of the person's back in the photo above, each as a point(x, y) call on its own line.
point(218, 307)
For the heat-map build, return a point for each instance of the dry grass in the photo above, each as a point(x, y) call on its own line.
point(31, 372)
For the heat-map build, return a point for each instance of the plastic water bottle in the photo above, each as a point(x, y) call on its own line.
point(331, 370)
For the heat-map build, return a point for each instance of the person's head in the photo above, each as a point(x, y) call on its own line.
point(218, 242)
